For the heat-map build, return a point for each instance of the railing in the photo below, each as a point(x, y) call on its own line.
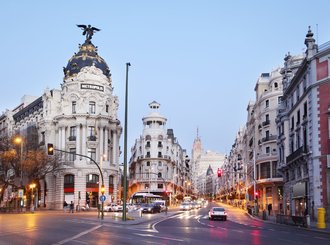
point(72, 138)
point(269, 138)
point(301, 151)
point(92, 138)
point(265, 123)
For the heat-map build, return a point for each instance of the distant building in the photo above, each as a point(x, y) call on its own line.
point(158, 163)
point(202, 161)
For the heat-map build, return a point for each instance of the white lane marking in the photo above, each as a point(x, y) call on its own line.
point(161, 237)
point(77, 236)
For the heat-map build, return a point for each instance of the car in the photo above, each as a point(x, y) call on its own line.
point(185, 206)
point(150, 208)
point(218, 213)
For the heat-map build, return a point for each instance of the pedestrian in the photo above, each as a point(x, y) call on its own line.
point(269, 208)
point(71, 207)
point(65, 206)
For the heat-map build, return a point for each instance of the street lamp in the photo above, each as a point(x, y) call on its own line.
point(19, 141)
point(32, 186)
point(125, 145)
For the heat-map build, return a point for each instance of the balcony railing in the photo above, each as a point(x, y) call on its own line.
point(72, 138)
point(300, 152)
point(269, 138)
point(265, 123)
point(92, 138)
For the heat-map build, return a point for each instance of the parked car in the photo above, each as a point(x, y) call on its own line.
point(185, 206)
point(150, 208)
point(112, 207)
point(218, 213)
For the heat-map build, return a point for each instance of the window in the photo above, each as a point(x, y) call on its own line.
point(267, 149)
point(92, 107)
point(298, 93)
point(92, 178)
point(92, 153)
point(279, 100)
point(267, 103)
point(74, 104)
point(305, 110)
point(148, 164)
point(298, 117)
point(292, 123)
point(160, 186)
point(68, 179)
point(159, 154)
point(72, 157)
point(111, 185)
point(276, 86)
point(146, 186)
point(160, 164)
point(73, 131)
point(91, 131)
point(106, 108)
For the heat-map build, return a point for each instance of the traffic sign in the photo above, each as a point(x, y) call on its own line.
point(102, 198)
point(20, 193)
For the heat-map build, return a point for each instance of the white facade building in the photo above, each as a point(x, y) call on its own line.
point(158, 163)
point(80, 118)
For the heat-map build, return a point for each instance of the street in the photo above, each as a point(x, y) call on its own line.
point(183, 227)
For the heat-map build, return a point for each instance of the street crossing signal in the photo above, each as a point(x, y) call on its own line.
point(50, 149)
point(219, 172)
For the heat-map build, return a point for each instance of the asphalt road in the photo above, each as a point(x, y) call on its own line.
point(189, 227)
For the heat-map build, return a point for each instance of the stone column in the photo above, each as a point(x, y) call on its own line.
point(78, 140)
point(83, 141)
point(114, 148)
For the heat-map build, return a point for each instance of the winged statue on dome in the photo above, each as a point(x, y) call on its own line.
point(88, 30)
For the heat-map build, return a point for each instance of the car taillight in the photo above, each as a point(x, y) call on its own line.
point(225, 213)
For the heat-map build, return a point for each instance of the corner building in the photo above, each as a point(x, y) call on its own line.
point(79, 118)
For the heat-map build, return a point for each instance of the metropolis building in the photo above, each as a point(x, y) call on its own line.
point(80, 118)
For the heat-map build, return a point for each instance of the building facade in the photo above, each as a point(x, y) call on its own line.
point(80, 118)
point(303, 124)
point(158, 164)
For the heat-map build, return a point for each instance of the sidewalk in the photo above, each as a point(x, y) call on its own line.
point(313, 223)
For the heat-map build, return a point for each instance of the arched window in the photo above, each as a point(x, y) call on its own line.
point(92, 181)
point(148, 137)
point(68, 180)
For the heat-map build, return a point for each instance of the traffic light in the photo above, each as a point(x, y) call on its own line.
point(50, 149)
point(102, 189)
point(257, 194)
point(219, 172)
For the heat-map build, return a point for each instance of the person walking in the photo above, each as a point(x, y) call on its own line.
point(65, 206)
point(71, 207)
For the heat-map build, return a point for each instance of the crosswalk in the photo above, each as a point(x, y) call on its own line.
point(184, 216)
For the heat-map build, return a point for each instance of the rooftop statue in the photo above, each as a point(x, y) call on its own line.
point(88, 31)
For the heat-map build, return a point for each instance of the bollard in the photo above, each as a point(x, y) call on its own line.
point(321, 218)
point(308, 221)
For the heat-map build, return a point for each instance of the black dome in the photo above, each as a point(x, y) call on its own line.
point(87, 56)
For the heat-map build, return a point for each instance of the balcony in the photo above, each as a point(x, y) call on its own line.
point(299, 153)
point(72, 138)
point(91, 138)
point(269, 138)
point(265, 123)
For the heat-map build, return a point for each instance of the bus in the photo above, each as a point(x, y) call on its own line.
point(144, 197)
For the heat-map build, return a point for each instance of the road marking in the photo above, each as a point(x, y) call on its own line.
point(161, 237)
point(77, 236)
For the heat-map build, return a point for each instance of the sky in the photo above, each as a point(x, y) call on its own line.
point(199, 59)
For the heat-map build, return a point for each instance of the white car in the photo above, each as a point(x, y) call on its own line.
point(185, 206)
point(218, 213)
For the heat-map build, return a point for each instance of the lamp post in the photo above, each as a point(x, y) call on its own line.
point(19, 141)
point(125, 146)
point(32, 186)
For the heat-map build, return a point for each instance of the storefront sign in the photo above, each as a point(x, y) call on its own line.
point(92, 87)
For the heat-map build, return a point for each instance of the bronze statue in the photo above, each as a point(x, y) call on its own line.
point(88, 31)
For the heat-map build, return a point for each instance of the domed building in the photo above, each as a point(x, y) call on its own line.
point(81, 122)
